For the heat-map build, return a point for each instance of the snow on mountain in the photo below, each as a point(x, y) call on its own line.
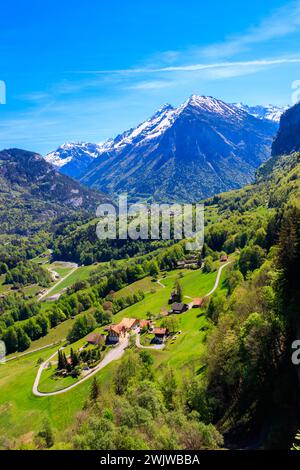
point(149, 129)
point(269, 112)
point(212, 145)
point(73, 158)
point(203, 147)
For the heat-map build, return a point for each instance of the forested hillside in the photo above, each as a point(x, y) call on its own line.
point(243, 384)
point(33, 194)
point(250, 377)
point(241, 389)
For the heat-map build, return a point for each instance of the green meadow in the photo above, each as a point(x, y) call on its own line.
point(21, 411)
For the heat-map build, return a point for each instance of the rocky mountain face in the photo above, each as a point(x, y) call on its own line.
point(199, 149)
point(203, 147)
point(288, 137)
point(73, 158)
point(32, 192)
point(269, 112)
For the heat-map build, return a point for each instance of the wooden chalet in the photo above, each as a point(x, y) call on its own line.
point(179, 307)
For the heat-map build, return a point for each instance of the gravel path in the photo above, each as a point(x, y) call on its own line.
point(113, 355)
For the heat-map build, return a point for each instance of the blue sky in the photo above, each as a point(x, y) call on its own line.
point(85, 71)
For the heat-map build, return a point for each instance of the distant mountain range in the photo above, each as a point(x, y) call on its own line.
point(73, 159)
point(203, 147)
point(33, 192)
point(269, 112)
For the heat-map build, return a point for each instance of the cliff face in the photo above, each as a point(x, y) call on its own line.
point(288, 137)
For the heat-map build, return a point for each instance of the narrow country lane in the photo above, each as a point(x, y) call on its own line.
point(48, 291)
point(113, 355)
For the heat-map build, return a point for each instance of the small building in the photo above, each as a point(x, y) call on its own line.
point(179, 308)
point(145, 324)
point(173, 297)
point(180, 264)
point(129, 323)
point(95, 339)
point(197, 302)
point(223, 258)
point(159, 335)
point(115, 333)
point(190, 261)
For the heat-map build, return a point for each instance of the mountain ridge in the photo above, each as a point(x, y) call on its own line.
point(33, 192)
point(213, 145)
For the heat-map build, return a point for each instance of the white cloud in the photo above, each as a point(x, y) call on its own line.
point(284, 21)
point(258, 63)
point(149, 85)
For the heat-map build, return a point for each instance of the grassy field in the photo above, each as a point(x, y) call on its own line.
point(211, 214)
point(146, 285)
point(188, 346)
point(55, 335)
point(21, 412)
point(81, 274)
point(49, 383)
point(194, 283)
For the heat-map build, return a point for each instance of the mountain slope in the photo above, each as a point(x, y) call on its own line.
point(269, 112)
point(199, 149)
point(73, 158)
point(288, 137)
point(33, 192)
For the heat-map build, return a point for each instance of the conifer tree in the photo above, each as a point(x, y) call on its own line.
point(95, 390)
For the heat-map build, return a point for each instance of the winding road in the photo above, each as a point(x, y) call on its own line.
point(48, 291)
point(113, 355)
point(218, 278)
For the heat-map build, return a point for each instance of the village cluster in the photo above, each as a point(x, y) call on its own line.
point(117, 332)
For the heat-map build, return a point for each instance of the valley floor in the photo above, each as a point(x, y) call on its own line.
point(21, 412)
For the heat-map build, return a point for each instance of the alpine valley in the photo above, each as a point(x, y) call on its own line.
point(143, 344)
point(203, 147)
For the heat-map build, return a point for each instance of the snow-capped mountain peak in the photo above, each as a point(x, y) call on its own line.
point(201, 126)
point(203, 147)
point(209, 104)
point(269, 112)
point(71, 156)
point(149, 129)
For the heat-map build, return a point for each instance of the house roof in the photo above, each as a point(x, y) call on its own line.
point(127, 323)
point(124, 325)
point(178, 306)
point(144, 323)
point(116, 329)
point(94, 338)
point(198, 301)
point(160, 331)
